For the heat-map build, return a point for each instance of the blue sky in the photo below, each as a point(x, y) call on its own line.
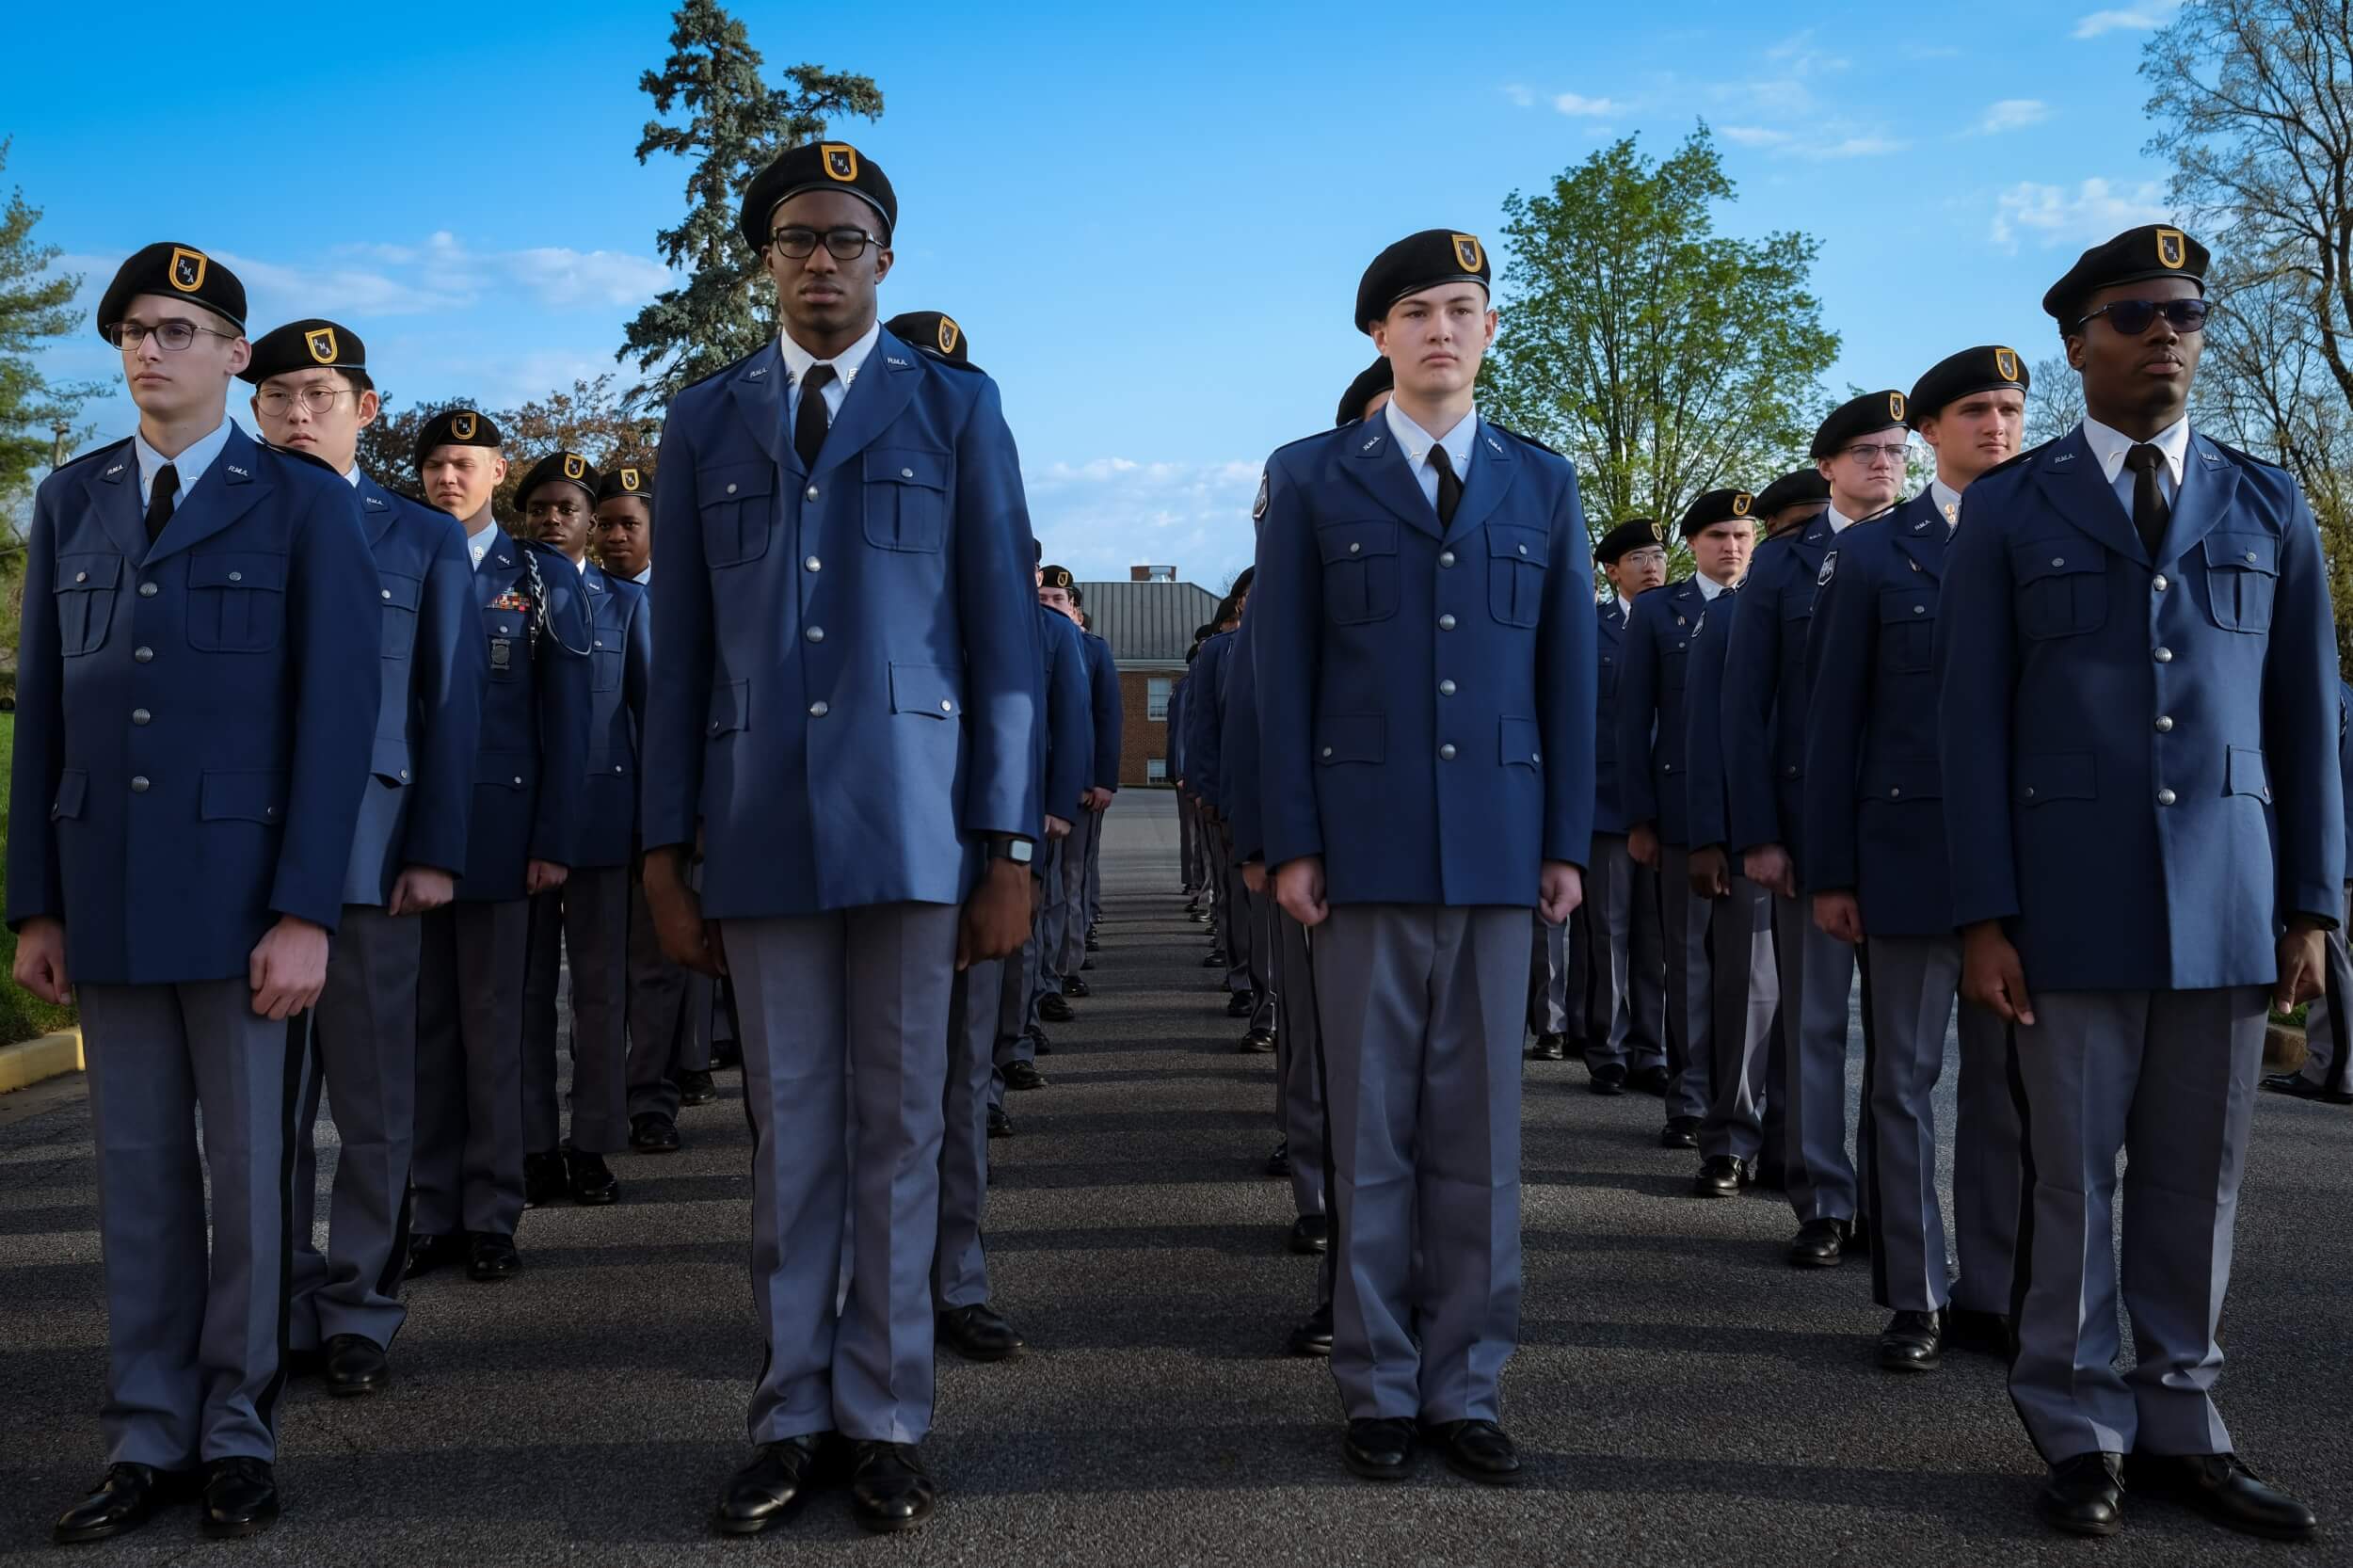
point(1150, 221)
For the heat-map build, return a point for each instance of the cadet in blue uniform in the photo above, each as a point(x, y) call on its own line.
point(1875, 863)
point(589, 913)
point(1173, 754)
point(1238, 919)
point(1793, 500)
point(527, 804)
point(1859, 448)
point(1045, 958)
point(197, 688)
point(1425, 682)
point(312, 395)
point(2136, 670)
point(2327, 1071)
point(846, 670)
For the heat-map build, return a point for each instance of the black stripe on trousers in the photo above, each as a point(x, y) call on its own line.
point(2022, 1255)
point(1337, 1244)
point(1873, 1209)
point(723, 995)
point(290, 1145)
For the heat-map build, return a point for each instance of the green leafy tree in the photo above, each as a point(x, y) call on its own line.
point(734, 125)
point(1661, 358)
point(36, 306)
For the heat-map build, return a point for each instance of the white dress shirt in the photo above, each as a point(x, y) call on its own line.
point(2108, 448)
point(478, 544)
point(1839, 521)
point(351, 476)
point(189, 465)
point(1418, 442)
point(645, 576)
point(1947, 502)
point(847, 366)
point(1710, 587)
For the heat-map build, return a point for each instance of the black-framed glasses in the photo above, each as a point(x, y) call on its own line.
point(318, 397)
point(1878, 454)
point(2133, 317)
point(843, 244)
point(172, 336)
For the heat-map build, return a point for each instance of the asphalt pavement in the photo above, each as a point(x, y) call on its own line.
point(1682, 1394)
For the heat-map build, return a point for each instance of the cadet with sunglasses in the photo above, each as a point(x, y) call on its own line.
point(196, 694)
point(2135, 667)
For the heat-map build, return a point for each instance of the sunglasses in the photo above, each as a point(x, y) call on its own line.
point(2133, 317)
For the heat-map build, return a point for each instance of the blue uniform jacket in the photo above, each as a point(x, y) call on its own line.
point(528, 777)
point(1653, 677)
point(1874, 807)
point(2124, 739)
point(1068, 729)
point(1173, 739)
point(620, 661)
point(194, 718)
point(419, 797)
point(1103, 690)
point(1705, 800)
point(1765, 686)
point(846, 664)
point(1425, 694)
point(1238, 747)
point(1205, 721)
point(2344, 757)
point(1609, 621)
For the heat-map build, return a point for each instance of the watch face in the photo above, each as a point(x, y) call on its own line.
point(1018, 851)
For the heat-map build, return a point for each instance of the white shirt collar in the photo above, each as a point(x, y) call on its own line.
point(581, 566)
point(2108, 447)
point(1710, 587)
point(1417, 442)
point(645, 576)
point(189, 465)
point(1838, 520)
point(846, 365)
point(351, 476)
point(1947, 502)
point(478, 545)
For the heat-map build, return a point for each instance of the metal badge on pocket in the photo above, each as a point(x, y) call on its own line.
point(502, 654)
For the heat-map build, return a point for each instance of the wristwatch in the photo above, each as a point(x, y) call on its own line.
point(1003, 846)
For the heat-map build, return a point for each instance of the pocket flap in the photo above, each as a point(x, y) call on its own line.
point(1904, 606)
point(232, 569)
point(1354, 541)
point(2247, 775)
point(901, 466)
point(1351, 738)
point(391, 762)
point(243, 797)
point(2056, 775)
point(2037, 559)
point(730, 706)
point(1520, 744)
point(734, 482)
point(509, 770)
point(1508, 543)
point(931, 690)
point(400, 590)
point(72, 790)
point(1915, 779)
point(88, 573)
point(2244, 553)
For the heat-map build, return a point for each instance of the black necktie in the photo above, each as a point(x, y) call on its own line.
point(811, 422)
point(159, 499)
point(2149, 512)
point(1450, 487)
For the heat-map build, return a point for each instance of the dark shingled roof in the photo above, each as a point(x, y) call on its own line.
point(1147, 623)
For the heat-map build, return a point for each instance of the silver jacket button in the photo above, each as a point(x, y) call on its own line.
point(2164, 656)
point(1445, 688)
point(815, 634)
point(2164, 797)
point(1446, 623)
point(1446, 751)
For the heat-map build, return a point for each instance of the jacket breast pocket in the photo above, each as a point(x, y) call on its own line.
point(608, 653)
point(1516, 559)
point(1608, 680)
point(86, 588)
point(401, 595)
point(2242, 579)
point(1360, 581)
point(906, 499)
point(2062, 587)
point(237, 602)
point(735, 500)
point(1906, 629)
point(1674, 661)
point(507, 637)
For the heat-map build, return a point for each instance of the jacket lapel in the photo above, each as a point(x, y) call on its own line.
point(226, 492)
point(1379, 467)
point(376, 510)
point(114, 496)
point(2209, 487)
point(1492, 471)
point(758, 389)
point(1920, 533)
point(2070, 481)
point(497, 572)
point(885, 384)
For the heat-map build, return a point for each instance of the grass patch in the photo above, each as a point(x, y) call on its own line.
point(23, 1015)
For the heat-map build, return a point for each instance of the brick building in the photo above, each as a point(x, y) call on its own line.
point(1149, 621)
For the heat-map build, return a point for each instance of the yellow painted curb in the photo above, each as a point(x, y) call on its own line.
point(28, 1062)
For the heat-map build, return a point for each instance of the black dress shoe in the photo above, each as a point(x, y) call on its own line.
point(1314, 1337)
point(1911, 1342)
point(1721, 1176)
point(2085, 1495)
point(1000, 1124)
point(544, 1180)
point(1054, 1010)
point(589, 1178)
point(125, 1499)
point(1024, 1074)
point(1241, 1004)
point(1279, 1163)
point(1087, 963)
point(490, 1258)
point(1549, 1047)
point(771, 1489)
point(356, 1365)
point(1040, 1041)
point(1681, 1132)
point(1985, 1333)
point(2222, 1489)
point(725, 1056)
point(1821, 1244)
point(978, 1333)
point(1074, 986)
point(1648, 1080)
point(1259, 1042)
point(2297, 1086)
point(428, 1253)
point(1380, 1449)
point(1216, 960)
point(696, 1088)
point(240, 1498)
point(1092, 945)
point(1311, 1233)
point(1200, 914)
point(1607, 1078)
point(1476, 1451)
point(651, 1132)
point(890, 1489)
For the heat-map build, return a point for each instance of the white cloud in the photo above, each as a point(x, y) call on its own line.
point(1854, 146)
point(1095, 516)
point(1576, 103)
point(1520, 93)
point(564, 277)
point(2094, 210)
point(2012, 114)
point(2144, 18)
point(1803, 56)
point(1755, 136)
point(1825, 142)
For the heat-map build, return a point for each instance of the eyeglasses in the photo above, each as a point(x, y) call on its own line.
point(845, 244)
point(2133, 317)
point(1655, 556)
point(1878, 454)
point(172, 336)
point(318, 397)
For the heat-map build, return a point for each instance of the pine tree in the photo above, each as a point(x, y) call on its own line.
point(35, 306)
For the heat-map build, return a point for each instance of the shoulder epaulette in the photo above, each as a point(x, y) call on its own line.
point(312, 458)
point(731, 365)
point(2236, 455)
point(108, 450)
point(1528, 439)
point(2022, 460)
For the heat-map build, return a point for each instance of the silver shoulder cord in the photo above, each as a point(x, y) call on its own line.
point(540, 620)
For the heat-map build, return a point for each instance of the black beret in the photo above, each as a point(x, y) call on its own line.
point(1054, 577)
point(816, 166)
point(568, 468)
point(1633, 533)
point(1988, 368)
point(1376, 377)
point(1856, 418)
point(1805, 487)
point(1416, 262)
point(935, 333)
point(2133, 256)
point(456, 428)
point(1714, 507)
point(312, 344)
point(1242, 583)
point(631, 480)
point(176, 272)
